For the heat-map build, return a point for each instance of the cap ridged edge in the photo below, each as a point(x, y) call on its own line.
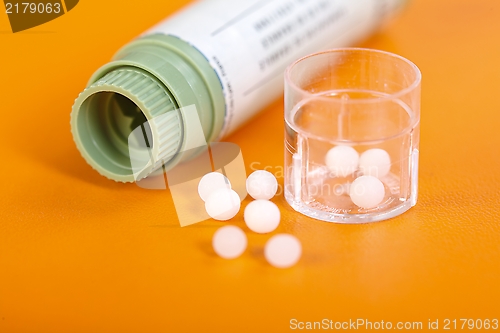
point(156, 104)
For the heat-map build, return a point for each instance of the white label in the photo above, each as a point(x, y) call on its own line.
point(249, 43)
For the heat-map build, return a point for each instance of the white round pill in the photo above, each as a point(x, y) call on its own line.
point(283, 250)
point(262, 184)
point(210, 182)
point(262, 216)
point(229, 242)
point(367, 191)
point(375, 162)
point(342, 161)
point(222, 204)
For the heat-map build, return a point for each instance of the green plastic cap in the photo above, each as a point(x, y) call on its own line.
point(133, 118)
point(106, 112)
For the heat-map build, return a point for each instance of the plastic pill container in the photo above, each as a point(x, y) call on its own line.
point(352, 120)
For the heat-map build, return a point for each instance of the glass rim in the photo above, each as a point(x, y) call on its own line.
point(416, 82)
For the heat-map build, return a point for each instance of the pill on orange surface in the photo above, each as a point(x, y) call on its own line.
point(262, 216)
point(223, 204)
point(283, 250)
point(229, 242)
point(262, 184)
point(211, 182)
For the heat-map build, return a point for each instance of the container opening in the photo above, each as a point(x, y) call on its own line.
point(105, 121)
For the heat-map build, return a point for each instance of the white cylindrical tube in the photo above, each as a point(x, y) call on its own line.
point(249, 43)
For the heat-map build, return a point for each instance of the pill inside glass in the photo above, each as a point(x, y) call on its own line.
point(352, 121)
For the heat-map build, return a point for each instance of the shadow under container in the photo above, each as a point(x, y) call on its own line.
point(352, 120)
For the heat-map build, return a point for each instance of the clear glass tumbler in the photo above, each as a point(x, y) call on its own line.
point(352, 120)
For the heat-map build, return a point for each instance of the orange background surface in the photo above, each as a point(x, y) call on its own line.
point(80, 253)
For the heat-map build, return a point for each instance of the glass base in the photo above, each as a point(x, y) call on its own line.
point(347, 218)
